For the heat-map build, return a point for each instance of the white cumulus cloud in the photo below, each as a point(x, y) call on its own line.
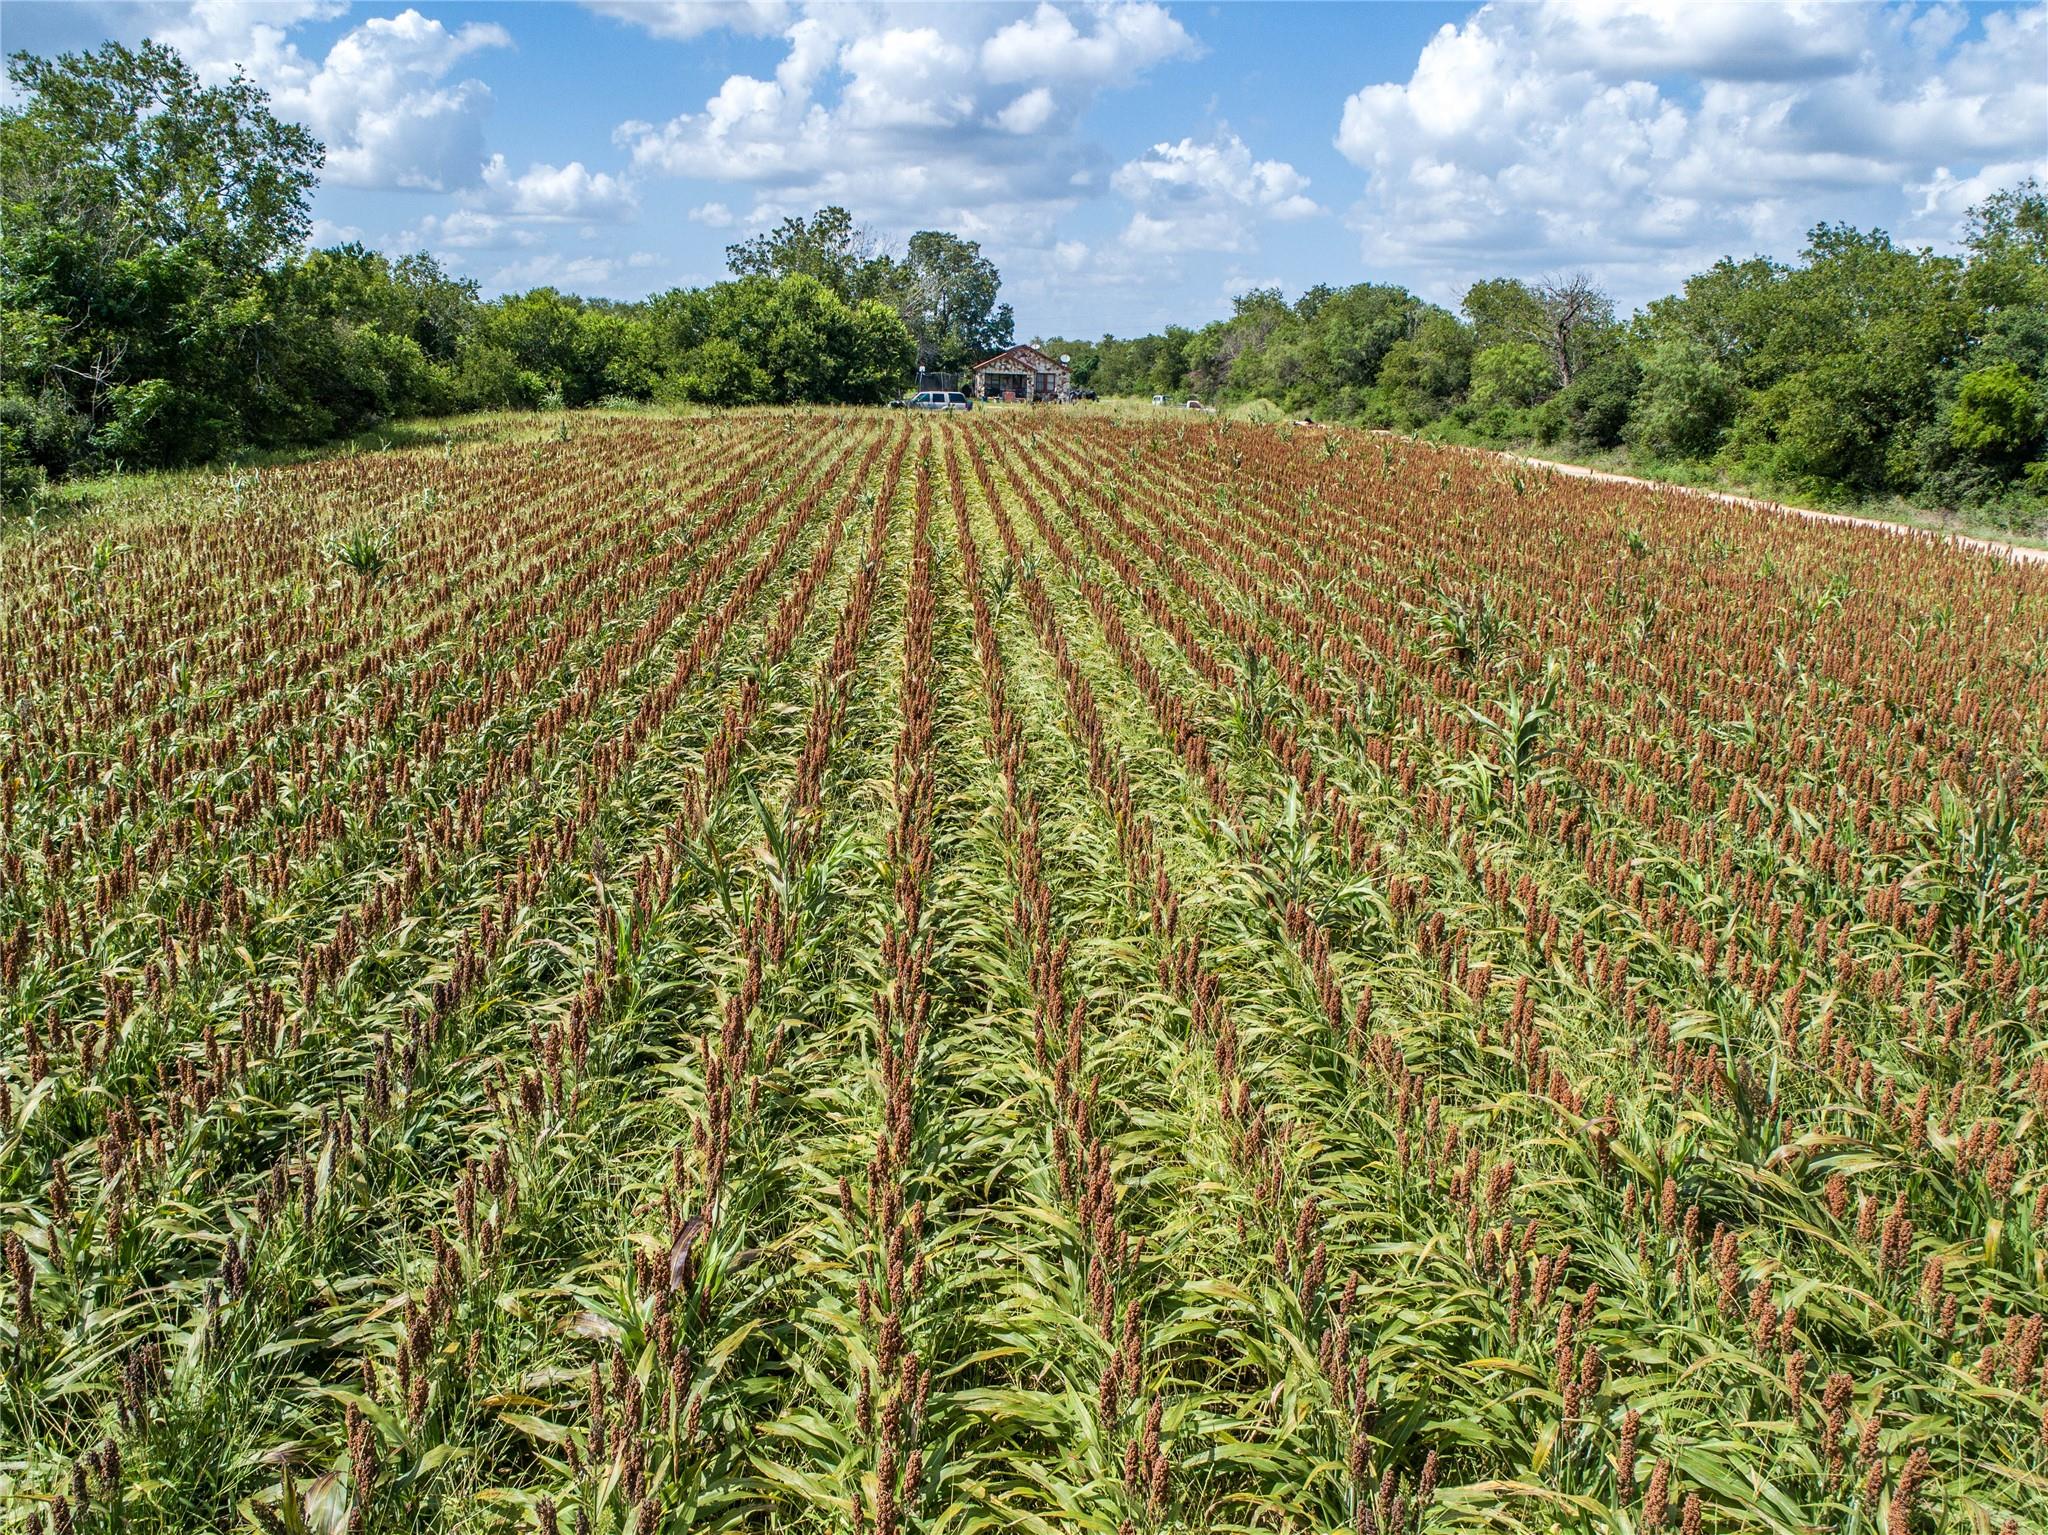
point(1120, 40)
point(558, 192)
point(1643, 138)
point(468, 229)
point(583, 272)
point(381, 99)
point(1192, 195)
point(964, 117)
point(326, 232)
point(382, 102)
point(682, 20)
point(1029, 112)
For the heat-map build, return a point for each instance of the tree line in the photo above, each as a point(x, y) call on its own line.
point(159, 305)
point(1862, 369)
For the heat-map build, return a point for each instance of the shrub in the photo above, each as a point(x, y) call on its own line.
point(717, 372)
point(1548, 423)
point(1514, 374)
point(1684, 403)
point(46, 431)
point(21, 476)
point(1996, 415)
point(1596, 405)
point(155, 422)
point(1261, 411)
point(488, 377)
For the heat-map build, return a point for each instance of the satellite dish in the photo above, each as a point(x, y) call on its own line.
point(1065, 358)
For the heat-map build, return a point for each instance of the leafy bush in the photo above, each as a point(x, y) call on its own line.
point(1996, 414)
point(1596, 404)
point(488, 377)
point(21, 476)
point(1548, 423)
point(717, 372)
point(880, 351)
point(46, 432)
point(1261, 412)
point(154, 421)
point(1514, 374)
point(1683, 403)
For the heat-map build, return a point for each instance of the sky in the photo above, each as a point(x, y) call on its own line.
point(1127, 165)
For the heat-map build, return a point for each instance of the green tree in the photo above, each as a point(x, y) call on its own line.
point(680, 318)
point(1848, 368)
point(717, 372)
point(1255, 353)
point(1514, 374)
point(879, 352)
point(1732, 308)
point(798, 343)
point(487, 376)
point(1996, 414)
point(1138, 365)
point(1565, 316)
point(1424, 373)
point(1685, 400)
point(139, 214)
point(828, 247)
point(1597, 404)
point(1353, 330)
point(1833, 368)
point(438, 309)
point(337, 353)
point(2007, 237)
point(948, 298)
point(583, 351)
point(126, 146)
point(1503, 310)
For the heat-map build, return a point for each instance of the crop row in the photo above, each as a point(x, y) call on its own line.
point(801, 971)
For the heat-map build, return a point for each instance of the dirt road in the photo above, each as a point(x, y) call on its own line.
point(2018, 553)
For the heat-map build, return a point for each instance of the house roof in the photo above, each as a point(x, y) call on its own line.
point(1025, 354)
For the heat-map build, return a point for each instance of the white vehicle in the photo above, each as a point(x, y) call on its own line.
point(940, 399)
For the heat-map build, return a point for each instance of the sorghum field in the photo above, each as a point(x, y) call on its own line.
point(821, 971)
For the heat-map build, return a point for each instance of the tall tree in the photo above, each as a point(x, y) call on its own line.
point(1352, 330)
point(827, 247)
point(1426, 370)
point(1503, 310)
point(2007, 236)
point(1559, 314)
point(948, 299)
point(141, 213)
point(127, 144)
point(1574, 311)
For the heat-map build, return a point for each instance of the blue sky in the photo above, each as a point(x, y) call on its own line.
point(1128, 164)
